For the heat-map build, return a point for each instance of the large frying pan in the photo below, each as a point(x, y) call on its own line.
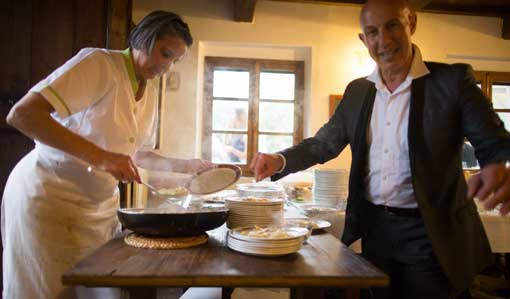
point(180, 220)
point(176, 222)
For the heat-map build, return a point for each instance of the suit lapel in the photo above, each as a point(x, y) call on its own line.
point(355, 214)
point(415, 132)
point(360, 146)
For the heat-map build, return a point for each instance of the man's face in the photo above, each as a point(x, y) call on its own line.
point(387, 30)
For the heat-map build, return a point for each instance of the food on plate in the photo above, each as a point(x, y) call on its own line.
point(307, 223)
point(255, 199)
point(312, 211)
point(219, 197)
point(300, 191)
point(270, 232)
point(251, 199)
point(173, 191)
point(299, 222)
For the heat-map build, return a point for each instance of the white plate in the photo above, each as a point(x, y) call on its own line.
point(265, 244)
point(218, 197)
point(291, 233)
point(254, 201)
point(263, 251)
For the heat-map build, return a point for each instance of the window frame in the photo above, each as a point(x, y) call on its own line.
point(254, 67)
point(487, 79)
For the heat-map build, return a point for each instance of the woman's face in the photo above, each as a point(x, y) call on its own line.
point(166, 51)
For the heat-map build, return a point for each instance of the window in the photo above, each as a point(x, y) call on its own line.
point(496, 85)
point(251, 105)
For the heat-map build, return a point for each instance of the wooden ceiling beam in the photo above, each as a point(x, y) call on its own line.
point(327, 2)
point(420, 4)
point(464, 7)
point(472, 10)
point(244, 10)
point(505, 29)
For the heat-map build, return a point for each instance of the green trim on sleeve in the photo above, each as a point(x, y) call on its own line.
point(128, 60)
point(57, 96)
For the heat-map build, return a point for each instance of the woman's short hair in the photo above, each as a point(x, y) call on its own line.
point(155, 26)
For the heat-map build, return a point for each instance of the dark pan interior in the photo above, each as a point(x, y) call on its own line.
point(171, 224)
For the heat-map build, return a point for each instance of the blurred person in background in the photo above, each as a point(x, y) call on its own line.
point(235, 145)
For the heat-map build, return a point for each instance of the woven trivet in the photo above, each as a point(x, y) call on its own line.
point(136, 240)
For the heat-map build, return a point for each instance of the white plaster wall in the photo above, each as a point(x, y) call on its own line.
point(324, 36)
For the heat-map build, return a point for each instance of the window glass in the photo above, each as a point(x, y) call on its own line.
point(230, 115)
point(505, 117)
point(231, 84)
point(273, 143)
point(501, 96)
point(229, 148)
point(277, 86)
point(276, 117)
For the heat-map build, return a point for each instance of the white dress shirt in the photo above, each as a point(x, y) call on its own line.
point(389, 180)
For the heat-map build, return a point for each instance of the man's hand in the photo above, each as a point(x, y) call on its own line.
point(491, 186)
point(264, 165)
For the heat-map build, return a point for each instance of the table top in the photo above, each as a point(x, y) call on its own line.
point(322, 262)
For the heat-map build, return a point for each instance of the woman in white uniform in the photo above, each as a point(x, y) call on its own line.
point(91, 119)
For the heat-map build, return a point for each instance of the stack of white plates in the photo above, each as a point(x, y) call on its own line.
point(261, 189)
point(247, 211)
point(330, 187)
point(266, 241)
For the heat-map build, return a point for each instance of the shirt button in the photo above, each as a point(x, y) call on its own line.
point(384, 178)
point(132, 139)
point(388, 123)
point(386, 151)
point(134, 110)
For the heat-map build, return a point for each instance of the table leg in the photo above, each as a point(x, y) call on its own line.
point(352, 293)
point(226, 292)
point(325, 293)
point(507, 266)
point(139, 293)
point(297, 293)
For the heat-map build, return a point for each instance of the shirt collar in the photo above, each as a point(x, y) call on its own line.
point(128, 60)
point(418, 69)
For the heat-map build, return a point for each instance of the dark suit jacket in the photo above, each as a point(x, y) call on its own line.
point(446, 106)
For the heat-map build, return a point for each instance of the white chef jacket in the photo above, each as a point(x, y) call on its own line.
point(54, 211)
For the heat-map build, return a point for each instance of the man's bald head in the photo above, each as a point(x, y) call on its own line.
point(386, 29)
point(373, 6)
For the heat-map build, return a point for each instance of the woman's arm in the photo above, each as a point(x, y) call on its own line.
point(153, 161)
point(31, 115)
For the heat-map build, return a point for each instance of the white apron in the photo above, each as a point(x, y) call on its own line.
point(54, 211)
point(49, 224)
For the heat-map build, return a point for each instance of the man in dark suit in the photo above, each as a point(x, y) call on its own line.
point(408, 199)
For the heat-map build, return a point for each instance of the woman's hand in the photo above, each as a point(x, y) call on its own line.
point(121, 166)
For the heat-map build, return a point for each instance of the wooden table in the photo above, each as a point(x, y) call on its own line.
point(322, 262)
